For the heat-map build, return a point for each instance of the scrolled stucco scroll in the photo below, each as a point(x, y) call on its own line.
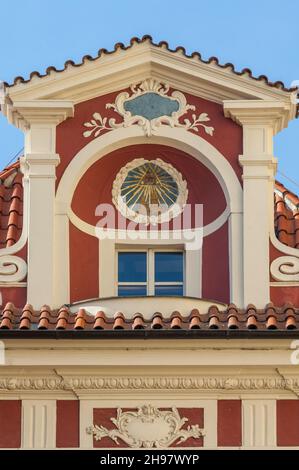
point(285, 268)
point(12, 268)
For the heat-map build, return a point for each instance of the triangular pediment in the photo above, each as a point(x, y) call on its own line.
point(116, 70)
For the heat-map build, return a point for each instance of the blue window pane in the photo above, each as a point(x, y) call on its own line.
point(169, 267)
point(128, 291)
point(169, 290)
point(132, 267)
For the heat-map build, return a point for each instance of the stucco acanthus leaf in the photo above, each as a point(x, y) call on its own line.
point(147, 427)
point(149, 105)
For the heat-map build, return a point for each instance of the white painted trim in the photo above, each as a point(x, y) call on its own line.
point(13, 284)
point(259, 423)
point(108, 271)
point(177, 138)
point(166, 354)
point(284, 284)
point(38, 424)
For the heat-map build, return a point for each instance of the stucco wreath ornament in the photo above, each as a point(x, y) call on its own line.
point(149, 105)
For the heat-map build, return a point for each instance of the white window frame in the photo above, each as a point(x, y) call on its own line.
point(108, 264)
point(150, 264)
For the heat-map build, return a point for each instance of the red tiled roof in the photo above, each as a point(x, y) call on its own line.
point(286, 216)
point(162, 44)
point(232, 318)
point(11, 205)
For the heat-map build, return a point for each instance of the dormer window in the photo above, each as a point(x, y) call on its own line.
point(150, 272)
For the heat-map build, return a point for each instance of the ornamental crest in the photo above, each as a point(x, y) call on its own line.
point(147, 427)
point(149, 191)
point(149, 105)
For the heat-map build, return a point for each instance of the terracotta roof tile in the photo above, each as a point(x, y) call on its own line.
point(246, 72)
point(286, 215)
point(11, 205)
point(62, 319)
point(119, 321)
point(26, 317)
point(80, 320)
point(232, 318)
point(157, 321)
point(194, 323)
point(7, 316)
point(44, 318)
point(138, 322)
point(100, 321)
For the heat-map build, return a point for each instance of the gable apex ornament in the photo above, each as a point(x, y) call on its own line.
point(149, 105)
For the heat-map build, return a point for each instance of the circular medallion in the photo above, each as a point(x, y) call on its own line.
point(149, 191)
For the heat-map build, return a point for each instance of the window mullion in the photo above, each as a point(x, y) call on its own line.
point(151, 272)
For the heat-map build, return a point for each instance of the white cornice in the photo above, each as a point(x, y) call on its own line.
point(122, 68)
point(275, 114)
point(228, 382)
point(24, 113)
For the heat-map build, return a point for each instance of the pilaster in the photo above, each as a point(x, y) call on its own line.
point(39, 121)
point(260, 120)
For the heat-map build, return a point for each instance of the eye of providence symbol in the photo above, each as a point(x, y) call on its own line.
point(149, 191)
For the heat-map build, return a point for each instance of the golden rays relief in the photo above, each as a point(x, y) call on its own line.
point(149, 184)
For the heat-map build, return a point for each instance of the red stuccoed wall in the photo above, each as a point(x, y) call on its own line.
point(229, 428)
point(10, 423)
point(67, 423)
point(96, 184)
point(287, 422)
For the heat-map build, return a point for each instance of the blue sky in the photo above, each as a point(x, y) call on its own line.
point(260, 34)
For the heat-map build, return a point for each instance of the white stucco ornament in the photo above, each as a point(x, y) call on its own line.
point(285, 268)
point(148, 427)
point(149, 105)
point(149, 191)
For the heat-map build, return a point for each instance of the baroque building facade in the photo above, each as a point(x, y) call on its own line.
point(149, 260)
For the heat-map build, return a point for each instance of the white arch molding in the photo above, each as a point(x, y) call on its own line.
point(180, 139)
